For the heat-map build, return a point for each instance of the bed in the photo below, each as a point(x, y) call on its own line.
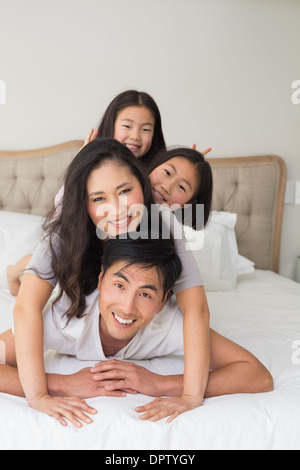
point(249, 301)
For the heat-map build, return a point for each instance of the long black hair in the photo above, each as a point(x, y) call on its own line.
point(134, 98)
point(204, 192)
point(75, 247)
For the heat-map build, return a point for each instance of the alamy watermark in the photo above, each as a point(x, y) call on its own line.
point(2, 92)
point(138, 221)
point(296, 353)
point(2, 353)
point(296, 94)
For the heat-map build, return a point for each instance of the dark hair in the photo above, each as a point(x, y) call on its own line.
point(205, 188)
point(77, 264)
point(134, 98)
point(159, 253)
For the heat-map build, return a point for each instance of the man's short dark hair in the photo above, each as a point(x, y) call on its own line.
point(149, 253)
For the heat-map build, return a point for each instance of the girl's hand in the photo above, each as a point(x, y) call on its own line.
point(205, 152)
point(92, 135)
point(162, 407)
point(72, 409)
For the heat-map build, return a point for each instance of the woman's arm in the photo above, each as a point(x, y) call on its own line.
point(189, 392)
point(191, 298)
point(29, 338)
point(28, 325)
point(196, 333)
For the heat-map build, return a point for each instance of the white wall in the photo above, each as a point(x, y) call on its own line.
point(220, 70)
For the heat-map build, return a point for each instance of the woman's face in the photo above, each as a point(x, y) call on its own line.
point(175, 182)
point(134, 128)
point(114, 199)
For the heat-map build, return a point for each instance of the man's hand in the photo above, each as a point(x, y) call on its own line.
point(162, 407)
point(82, 384)
point(129, 377)
point(112, 378)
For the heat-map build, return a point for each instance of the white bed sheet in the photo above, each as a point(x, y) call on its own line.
point(262, 314)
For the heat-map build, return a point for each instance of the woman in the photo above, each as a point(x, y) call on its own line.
point(69, 256)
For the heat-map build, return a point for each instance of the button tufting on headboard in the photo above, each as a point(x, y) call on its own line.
point(29, 180)
point(253, 188)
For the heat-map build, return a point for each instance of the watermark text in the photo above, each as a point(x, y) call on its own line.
point(296, 353)
point(296, 94)
point(2, 92)
point(138, 221)
point(2, 353)
point(151, 459)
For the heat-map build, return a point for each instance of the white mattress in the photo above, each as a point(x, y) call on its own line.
point(262, 314)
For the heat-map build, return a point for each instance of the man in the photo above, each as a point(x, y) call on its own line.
point(137, 320)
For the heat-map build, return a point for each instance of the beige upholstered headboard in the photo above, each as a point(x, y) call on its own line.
point(30, 179)
point(254, 189)
point(251, 187)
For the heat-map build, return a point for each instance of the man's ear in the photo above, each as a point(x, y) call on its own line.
point(164, 300)
point(100, 279)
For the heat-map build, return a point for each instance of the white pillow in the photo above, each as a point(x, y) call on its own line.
point(218, 260)
point(244, 266)
point(19, 236)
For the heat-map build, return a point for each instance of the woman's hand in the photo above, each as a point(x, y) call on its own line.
point(162, 407)
point(64, 408)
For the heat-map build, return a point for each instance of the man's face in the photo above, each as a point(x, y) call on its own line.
point(129, 298)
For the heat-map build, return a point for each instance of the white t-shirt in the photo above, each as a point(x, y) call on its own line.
point(81, 337)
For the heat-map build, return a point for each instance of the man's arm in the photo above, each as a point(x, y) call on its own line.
point(82, 385)
point(114, 378)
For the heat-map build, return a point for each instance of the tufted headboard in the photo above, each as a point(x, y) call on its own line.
point(30, 179)
point(251, 187)
point(254, 189)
